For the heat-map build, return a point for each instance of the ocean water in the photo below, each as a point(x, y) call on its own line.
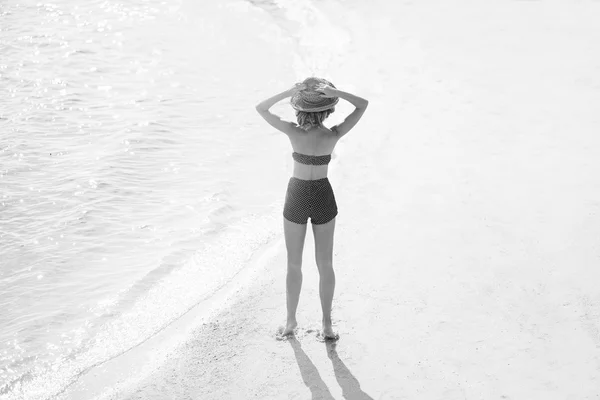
point(135, 176)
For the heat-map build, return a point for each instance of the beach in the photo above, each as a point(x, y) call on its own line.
point(466, 248)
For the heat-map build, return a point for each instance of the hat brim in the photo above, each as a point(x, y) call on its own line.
point(299, 104)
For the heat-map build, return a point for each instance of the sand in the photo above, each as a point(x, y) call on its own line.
point(467, 247)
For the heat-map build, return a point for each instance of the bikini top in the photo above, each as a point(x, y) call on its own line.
point(311, 160)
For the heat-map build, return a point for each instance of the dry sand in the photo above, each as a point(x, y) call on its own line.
point(468, 242)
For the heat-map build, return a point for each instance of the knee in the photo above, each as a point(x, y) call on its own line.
point(325, 266)
point(294, 267)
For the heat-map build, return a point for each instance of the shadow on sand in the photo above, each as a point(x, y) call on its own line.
point(312, 379)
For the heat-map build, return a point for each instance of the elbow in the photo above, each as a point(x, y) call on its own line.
point(365, 104)
point(260, 108)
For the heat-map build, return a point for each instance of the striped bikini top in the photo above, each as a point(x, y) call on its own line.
point(311, 160)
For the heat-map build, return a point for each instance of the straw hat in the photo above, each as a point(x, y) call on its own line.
point(309, 100)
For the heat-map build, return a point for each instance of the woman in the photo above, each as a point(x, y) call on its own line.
point(309, 193)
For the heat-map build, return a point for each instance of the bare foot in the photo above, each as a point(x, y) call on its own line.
point(328, 333)
point(289, 328)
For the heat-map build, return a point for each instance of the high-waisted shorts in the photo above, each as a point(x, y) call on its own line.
point(312, 199)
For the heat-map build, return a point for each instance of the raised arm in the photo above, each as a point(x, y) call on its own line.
point(355, 116)
point(274, 120)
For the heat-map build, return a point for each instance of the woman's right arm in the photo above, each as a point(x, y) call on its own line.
point(352, 119)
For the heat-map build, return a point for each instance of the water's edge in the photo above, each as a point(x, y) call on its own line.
point(123, 371)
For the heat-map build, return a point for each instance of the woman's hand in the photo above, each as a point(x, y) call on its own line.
point(326, 90)
point(297, 87)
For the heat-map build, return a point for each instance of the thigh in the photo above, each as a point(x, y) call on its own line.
point(294, 240)
point(324, 242)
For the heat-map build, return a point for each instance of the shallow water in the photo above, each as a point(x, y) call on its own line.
point(128, 193)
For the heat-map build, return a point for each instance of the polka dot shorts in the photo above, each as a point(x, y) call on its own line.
point(312, 199)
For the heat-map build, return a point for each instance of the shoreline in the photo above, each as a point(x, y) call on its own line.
point(114, 376)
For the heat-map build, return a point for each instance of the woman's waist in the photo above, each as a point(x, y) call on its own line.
point(309, 172)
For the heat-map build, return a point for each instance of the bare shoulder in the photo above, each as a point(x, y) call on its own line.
point(349, 123)
point(276, 122)
point(294, 129)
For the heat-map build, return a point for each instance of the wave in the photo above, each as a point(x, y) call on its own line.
point(179, 290)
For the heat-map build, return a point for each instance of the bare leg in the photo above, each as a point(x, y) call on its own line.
point(324, 257)
point(294, 242)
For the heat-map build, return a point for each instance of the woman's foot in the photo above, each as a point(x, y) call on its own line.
point(328, 333)
point(289, 328)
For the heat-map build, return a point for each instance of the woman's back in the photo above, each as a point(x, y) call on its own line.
point(314, 142)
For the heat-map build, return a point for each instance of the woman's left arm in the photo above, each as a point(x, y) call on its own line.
point(274, 120)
